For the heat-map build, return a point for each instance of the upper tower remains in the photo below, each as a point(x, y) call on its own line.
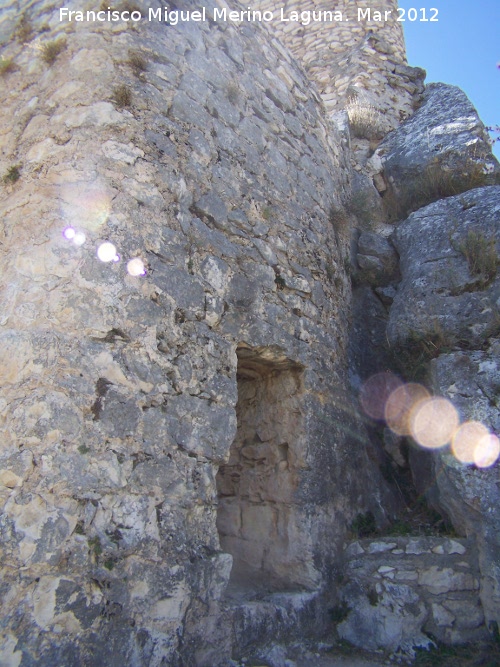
point(360, 57)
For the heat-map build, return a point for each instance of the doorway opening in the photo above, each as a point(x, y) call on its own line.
point(257, 517)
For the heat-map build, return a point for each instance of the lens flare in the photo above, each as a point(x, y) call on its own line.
point(86, 205)
point(106, 252)
point(467, 439)
point(69, 233)
point(433, 422)
point(79, 238)
point(401, 404)
point(375, 392)
point(136, 267)
point(487, 451)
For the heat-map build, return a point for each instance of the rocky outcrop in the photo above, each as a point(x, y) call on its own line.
point(450, 288)
point(470, 494)
point(441, 150)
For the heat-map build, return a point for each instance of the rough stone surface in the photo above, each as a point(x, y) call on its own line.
point(401, 589)
point(441, 150)
point(119, 392)
point(468, 494)
point(442, 296)
point(377, 260)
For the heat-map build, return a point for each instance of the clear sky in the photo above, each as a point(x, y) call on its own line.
point(462, 48)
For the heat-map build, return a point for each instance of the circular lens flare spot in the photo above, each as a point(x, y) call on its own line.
point(69, 233)
point(106, 252)
point(467, 439)
point(487, 451)
point(433, 422)
point(375, 392)
point(79, 238)
point(401, 404)
point(136, 267)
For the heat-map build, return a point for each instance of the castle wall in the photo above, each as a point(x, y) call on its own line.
point(202, 151)
point(349, 60)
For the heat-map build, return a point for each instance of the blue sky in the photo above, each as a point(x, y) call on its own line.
point(462, 48)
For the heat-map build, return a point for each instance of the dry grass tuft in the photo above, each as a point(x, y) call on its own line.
point(481, 255)
point(137, 62)
point(122, 96)
point(24, 29)
point(7, 66)
point(51, 50)
point(366, 121)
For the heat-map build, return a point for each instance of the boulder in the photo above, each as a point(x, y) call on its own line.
point(377, 259)
point(450, 287)
point(442, 150)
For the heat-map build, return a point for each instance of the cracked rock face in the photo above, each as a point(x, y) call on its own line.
point(119, 391)
point(441, 150)
point(468, 494)
point(450, 287)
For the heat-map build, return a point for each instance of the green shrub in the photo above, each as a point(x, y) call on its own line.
point(340, 612)
point(364, 525)
point(13, 174)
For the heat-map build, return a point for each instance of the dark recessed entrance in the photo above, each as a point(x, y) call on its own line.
point(257, 517)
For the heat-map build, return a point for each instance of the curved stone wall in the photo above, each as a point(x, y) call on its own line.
point(357, 58)
point(201, 152)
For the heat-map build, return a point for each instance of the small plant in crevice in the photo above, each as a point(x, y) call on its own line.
point(137, 62)
point(484, 653)
point(439, 180)
point(233, 93)
point(279, 280)
point(365, 120)
point(373, 597)
point(95, 545)
point(364, 525)
point(51, 50)
point(338, 218)
point(83, 449)
point(481, 255)
point(13, 174)
point(339, 612)
point(266, 213)
point(413, 357)
point(24, 29)
point(122, 96)
point(7, 66)
point(79, 528)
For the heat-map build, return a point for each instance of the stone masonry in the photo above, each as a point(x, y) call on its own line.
point(213, 163)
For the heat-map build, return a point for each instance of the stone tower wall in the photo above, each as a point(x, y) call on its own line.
point(351, 59)
point(214, 164)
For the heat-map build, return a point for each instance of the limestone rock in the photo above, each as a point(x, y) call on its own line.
point(377, 259)
point(441, 150)
point(468, 494)
point(450, 287)
point(393, 623)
